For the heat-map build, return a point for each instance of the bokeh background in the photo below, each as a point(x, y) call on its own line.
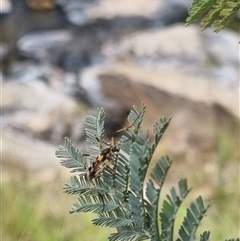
point(61, 59)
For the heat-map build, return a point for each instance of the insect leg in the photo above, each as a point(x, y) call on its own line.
point(128, 127)
point(102, 142)
point(81, 169)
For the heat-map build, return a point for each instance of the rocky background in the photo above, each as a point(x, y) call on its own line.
point(61, 59)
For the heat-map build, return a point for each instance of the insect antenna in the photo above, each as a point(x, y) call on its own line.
point(126, 129)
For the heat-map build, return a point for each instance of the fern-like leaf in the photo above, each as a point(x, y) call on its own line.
point(170, 208)
point(70, 156)
point(237, 239)
point(158, 175)
point(205, 236)
point(123, 195)
point(128, 235)
point(213, 12)
point(95, 131)
point(192, 220)
point(112, 222)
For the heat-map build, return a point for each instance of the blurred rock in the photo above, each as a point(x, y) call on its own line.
point(75, 48)
point(161, 12)
point(25, 20)
point(39, 110)
point(30, 71)
point(4, 56)
point(215, 46)
point(41, 5)
point(43, 45)
point(6, 7)
point(71, 54)
point(90, 82)
point(4, 51)
point(112, 94)
point(173, 11)
point(27, 152)
point(76, 11)
point(117, 85)
point(223, 65)
point(166, 49)
point(227, 76)
point(159, 47)
point(191, 103)
point(107, 9)
point(69, 85)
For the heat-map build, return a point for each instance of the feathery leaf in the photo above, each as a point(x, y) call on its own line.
point(122, 194)
point(70, 156)
point(213, 12)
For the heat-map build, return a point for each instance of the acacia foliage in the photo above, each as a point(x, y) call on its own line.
point(127, 197)
point(213, 12)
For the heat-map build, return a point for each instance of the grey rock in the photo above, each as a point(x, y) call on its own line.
point(77, 11)
point(6, 7)
point(91, 84)
point(4, 51)
point(30, 71)
point(221, 48)
point(37, 109)
point(158, 46)
point(173, 11)
point(43, 45)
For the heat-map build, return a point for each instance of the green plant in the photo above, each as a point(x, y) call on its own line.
point(126, 198)
point(213, 12)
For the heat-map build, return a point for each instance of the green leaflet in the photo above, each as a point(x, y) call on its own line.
point(213, 12)
point(70, 156)
point(124, 196)
point(192, 220)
